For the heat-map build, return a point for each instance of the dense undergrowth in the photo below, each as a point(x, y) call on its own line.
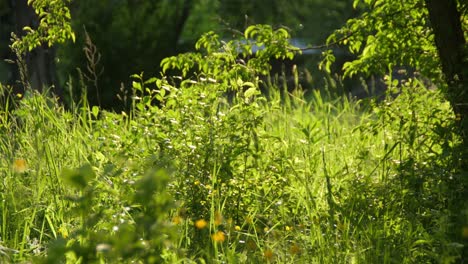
point(191, 175)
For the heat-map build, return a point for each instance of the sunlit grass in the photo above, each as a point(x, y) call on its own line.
point(273, 180)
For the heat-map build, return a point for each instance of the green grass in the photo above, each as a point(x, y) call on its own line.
point(280, 180)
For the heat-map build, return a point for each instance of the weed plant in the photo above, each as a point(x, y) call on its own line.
point(192, 175)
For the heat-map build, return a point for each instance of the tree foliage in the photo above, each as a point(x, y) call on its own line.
point(130, 36)
point(134, 36)
point(311, 20)
point(388, 33)
point(54, 26)
point(428, 36)
point(425, 35)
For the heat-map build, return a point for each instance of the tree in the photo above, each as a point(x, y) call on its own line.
point(426, 35)
point(452, 48)
point(129, 36)
point(311, 20)
point(38, 24)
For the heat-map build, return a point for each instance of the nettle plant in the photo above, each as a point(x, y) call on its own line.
point(205, 113)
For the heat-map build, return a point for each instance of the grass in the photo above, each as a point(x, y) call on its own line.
point(191, 175)
point(256, 180)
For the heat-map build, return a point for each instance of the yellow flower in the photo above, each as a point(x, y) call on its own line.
point(295, 249)
point(237, 228)
point(268, 254)
point(63, 231)
point(200, 224)
point(218, 237)
point(177, 220)
point(19, 165)
point(218, 219)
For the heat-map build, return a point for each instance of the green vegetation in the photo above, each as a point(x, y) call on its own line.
point(429, 36)
point(205, 168)
point(214, 160)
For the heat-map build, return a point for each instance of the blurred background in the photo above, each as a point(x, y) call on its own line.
point(132, 36)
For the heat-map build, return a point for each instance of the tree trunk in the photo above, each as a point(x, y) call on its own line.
point(40, 61)
point(446, 23)
point(187, 6)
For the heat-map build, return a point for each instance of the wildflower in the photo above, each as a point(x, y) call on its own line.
point(268, 254)
point(295, 249)
point(63, 231)
point(288, 228)
point(19, 165)
point(177, 220)
point(200, 224)
point(237, 228)
point(218, 236)
point(218, 219)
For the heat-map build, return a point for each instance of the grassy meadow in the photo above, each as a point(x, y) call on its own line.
point(190, 175)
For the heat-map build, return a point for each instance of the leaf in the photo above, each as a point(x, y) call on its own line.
point(283, 33)
point(28, 29)
point(355, 3)
point(250, 92)
point(165, 64)
point(95, 111)
point(239, 82)
point(250, 32)
point(162, 92)
point(137, 86)
point(151, 80)
point(249, 84)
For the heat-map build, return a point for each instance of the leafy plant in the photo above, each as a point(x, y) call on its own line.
point(54, 26)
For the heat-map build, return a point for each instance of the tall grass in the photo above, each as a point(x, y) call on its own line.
point(255, 180)
point(192, 175)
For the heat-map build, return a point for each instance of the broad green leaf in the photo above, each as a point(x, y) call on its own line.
point(137, 86)
point(250, 32)
point(95, 111)
point(355, 3)
point(250, 92)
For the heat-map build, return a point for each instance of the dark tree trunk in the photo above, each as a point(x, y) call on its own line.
point(9, 74)
point(187, 6)
point(39, 62)
point(451, 45)
point(446, 22)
